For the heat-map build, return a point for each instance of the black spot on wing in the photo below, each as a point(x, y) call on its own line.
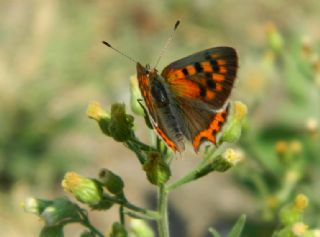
point(214, 65)
point(198, 67)
point(209, 82)
point(202, 90)
point(185, 72)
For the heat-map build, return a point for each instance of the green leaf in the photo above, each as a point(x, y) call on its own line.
point(238, 227)
point(52, 231)
point(214, 232)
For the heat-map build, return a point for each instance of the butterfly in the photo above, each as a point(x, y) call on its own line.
point(188, 100)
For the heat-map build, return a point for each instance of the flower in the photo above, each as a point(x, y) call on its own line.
point(232, 130)
point(157, 171)
point(84, 189)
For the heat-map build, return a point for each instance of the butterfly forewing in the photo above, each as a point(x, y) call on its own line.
point(206, 76)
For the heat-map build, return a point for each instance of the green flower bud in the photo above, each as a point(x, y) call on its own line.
point(293, 212)
point(274, 38)
point(118, 125)
point(232, 130)
point(121, 124)
point(95, 112)
point(52, 231)
point(104, 204)
point(227, 160)
point(139, 228)
point(60, 210)
point(35, 205)
point(157, 171)
point(118, 230)
point(84, 189)
point(111, 181)
point(134, 96)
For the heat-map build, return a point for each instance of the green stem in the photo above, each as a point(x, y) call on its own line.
point(121, 213)
point(163, 224)
point(84, 220)
point(204, 168)
point(132, 146)
point(142, 145)
point(193, 175)
point(151, 214)
point(92, 228)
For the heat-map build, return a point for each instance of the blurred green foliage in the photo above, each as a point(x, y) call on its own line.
point(52, 63)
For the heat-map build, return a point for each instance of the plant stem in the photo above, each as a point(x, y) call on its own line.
point(201, 170)
point(92, 228)
point(193, 175)
point(162, 222)
point(86, 222)
point(151, 214)
point(121, 213)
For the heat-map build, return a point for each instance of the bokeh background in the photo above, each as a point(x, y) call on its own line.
point(52, 64)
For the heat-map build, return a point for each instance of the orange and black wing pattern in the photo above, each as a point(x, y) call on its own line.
point(202, 84)
point(206, 76)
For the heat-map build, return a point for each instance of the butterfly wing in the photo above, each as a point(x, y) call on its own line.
point(207, 76)
point(202, 84)
point(159, 119)
point(200, 124)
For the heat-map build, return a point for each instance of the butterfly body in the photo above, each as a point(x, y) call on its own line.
point(189, 99)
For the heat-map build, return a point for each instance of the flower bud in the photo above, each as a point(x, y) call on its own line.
point(60, 210)
point(140, 228)
point(134, 96)
point(111, 181)
point(84, 189)
point(227, 160)
point(293, 212)
point(121, 124)
point(35, 205)
point(232, 129)
point(157, 171)
point(96, 112)
point(118, 230)
point(52, 231)
point(301, 202)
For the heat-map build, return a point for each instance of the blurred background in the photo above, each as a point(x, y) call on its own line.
point(52, 64)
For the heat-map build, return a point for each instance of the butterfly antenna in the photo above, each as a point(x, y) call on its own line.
point(167, 43)
point(110, 46)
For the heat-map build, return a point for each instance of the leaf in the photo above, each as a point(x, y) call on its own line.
point(238, 227)
point(214, 232)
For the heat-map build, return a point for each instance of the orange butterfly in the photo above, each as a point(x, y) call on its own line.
point(189, 98)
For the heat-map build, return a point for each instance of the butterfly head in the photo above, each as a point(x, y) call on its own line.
point(147, 71)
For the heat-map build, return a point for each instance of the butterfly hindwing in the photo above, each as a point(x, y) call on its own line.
point(200, 124)
point(206, 76)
